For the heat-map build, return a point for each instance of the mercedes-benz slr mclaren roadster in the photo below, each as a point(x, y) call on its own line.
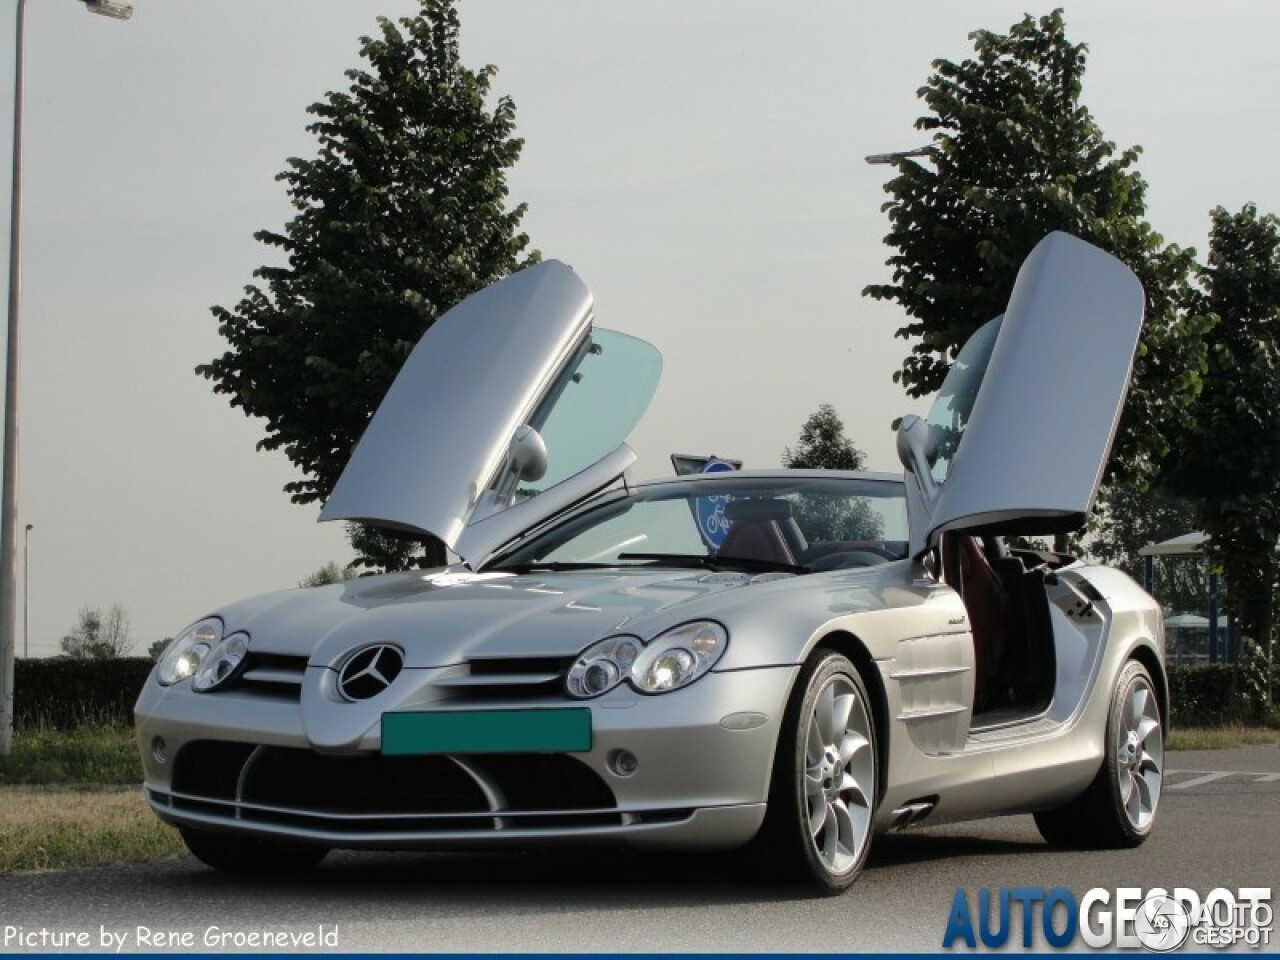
point(794, 659)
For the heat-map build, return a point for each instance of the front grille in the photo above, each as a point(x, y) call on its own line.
point(371, 794)
point(274, 675)
point(279, 676)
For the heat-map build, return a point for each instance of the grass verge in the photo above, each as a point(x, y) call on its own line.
point(60, 827)
point(70, 798)
point(1220, 738)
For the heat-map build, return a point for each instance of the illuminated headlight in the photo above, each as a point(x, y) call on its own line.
point(678, 657)
point(602, 666)
point(221, 662)
point(182, 658)
point(671, 660)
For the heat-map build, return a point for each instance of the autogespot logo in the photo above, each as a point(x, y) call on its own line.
point(369, 671)
point(1162, 923)
point(1158, 920)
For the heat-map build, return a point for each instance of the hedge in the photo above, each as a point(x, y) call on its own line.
point(64, 692)
point(1215, 693)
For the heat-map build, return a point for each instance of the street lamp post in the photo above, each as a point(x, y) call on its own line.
point(883, 158)
point(120, 10)
point(26, 591)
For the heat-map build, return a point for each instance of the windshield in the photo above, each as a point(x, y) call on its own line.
point(789, 523)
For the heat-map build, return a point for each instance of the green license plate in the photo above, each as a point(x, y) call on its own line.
point(487, 731)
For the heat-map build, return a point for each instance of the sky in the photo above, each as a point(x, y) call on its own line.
point(699, 164)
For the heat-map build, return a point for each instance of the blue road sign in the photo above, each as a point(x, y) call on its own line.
point(713, 525)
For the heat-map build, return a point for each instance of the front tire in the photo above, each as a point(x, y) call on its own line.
point(1119, 808)
point(822, 796)
point(232, 853)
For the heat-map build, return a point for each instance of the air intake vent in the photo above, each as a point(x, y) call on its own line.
point(506, 678)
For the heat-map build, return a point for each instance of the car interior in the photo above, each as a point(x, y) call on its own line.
point(1004, 594)
point(766, 530)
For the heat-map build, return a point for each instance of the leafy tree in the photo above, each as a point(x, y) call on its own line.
point(1014, 155)
point(329, 573)
point(1229, 461)
point(401, 214)
point(823, 444)
point(1132, 519)
point(156, 650)
point(99, 636)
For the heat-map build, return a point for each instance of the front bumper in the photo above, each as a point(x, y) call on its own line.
point(702, 762)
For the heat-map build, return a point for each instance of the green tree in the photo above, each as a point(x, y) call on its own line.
point(329, 573)
point(1015, 154)
point(823, 444)
point(1229, 461)
point(1132, 519)
point(401, 214)
point(99, 636)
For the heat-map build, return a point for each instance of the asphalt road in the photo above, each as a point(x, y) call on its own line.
point(1219, 827)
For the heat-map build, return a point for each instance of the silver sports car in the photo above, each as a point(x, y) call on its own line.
point(795, 659)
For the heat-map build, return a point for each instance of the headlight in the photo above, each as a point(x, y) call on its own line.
point(678, 657)
point(671, 660)
point(182, 658)
point(202, 654)
point(221, 662)
point(603, 666)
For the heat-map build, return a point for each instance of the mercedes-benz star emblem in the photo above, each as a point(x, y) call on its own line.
point(369, 671)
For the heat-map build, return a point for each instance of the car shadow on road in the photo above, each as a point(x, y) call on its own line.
point(902, 849)
point(536, 879)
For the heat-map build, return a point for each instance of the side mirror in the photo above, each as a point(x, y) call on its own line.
point(527, 454)
point(918, 451)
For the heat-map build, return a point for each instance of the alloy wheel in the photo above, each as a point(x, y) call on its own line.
point(1139, 754)
point(839, 774)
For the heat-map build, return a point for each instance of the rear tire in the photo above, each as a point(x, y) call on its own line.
point(232, 853)
point(1119, 808)
point(823, 791)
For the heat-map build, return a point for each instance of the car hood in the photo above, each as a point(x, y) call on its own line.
point(440, 618)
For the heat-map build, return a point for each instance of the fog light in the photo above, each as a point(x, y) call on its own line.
point(159, 750)
point(623, 763)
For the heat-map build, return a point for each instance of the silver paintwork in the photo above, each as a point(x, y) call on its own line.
point(706, 752)
point(904, 619)
point(429, 464)
point(501, 349)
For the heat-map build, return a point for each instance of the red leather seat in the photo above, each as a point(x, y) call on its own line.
point(966, 568)
point(756, 540)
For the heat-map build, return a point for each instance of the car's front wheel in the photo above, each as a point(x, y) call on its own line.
point(824, 784)
point(1119, 808)
point(237, 854)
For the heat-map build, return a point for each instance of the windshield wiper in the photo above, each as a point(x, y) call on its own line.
point(698, 562)
point(552, 565)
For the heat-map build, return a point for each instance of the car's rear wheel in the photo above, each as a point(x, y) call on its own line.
point(1119, 808)
point(237, 854)
point(822, 796)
